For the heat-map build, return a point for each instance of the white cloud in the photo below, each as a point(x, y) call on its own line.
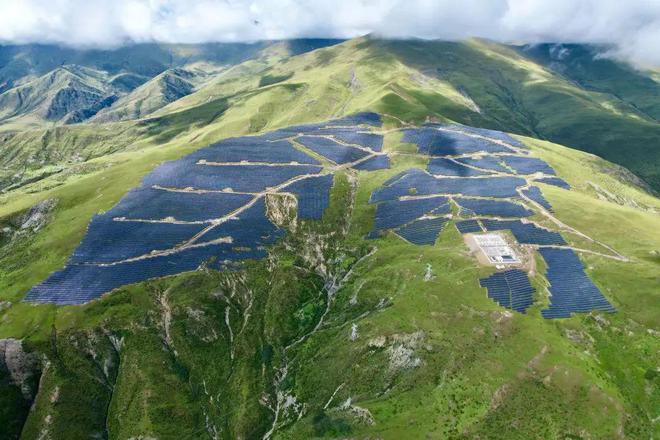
point(631, 26)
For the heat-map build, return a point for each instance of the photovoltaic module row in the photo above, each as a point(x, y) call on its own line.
point(571, 291)
point(534, 193)
point(446, 143)
point(394, 213)
point(525, 233)
point(184, 173)
point(313, 195)
point(336, 152)
point(355, 136)
point(423, 231)
point(374, 163)
point(252, 149)
point(527, 165)
point(441, 166)
point(510, 289)
point(468, 226)
point(493, 163)
point(492, 134)
point(77, 284)
point(556, 181)
point(157, 204)
point(498, 208)
point(417, 182)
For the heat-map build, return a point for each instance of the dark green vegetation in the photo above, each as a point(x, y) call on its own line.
point(332, 336)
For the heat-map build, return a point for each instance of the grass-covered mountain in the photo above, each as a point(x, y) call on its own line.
point(333, 336)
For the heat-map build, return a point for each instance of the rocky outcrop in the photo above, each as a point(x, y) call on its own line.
point(19, 366)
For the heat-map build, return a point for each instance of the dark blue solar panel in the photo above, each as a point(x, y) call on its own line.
point(422, 231)
point(556, 181)
point(374, 163)
point(417, 182)
point(527, 165)
point(332, 150)
point(183, 173)
point(468, 226)
point(493, 163)
point(534, 193)
point(510, 289)
point(391, 214)
point(158, 204)
point(493, 134)
point(249, 229)
point(570, 288)
point(499, 208)
point(356, 136)
point(444, 143)
point(252, 149)
point(313, 194)
point(77, 284)
point(525, 233)
point(108, 240)
point(441, 166)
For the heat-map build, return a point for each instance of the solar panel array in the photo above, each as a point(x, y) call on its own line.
point(525, 233)
point(510, 289)
point(313, 194)
point(422, 231)
point(492, 134)
point(441, 166)
point(493, 163)
point(527, 165)
point(333, 150)
point(570, 288)
point(447, 143)
point(498, 208)
point(207, 208)
point(394, 213)
point(556, 181)
point(468, 226)
point(534, 193)
point(374, 163)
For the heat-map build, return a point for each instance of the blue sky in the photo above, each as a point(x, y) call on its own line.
point(631, 26)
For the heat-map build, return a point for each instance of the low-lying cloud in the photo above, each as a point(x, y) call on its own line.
point(631, 27)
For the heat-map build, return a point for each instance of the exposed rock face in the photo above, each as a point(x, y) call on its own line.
point(37, 216)
point(20, 366)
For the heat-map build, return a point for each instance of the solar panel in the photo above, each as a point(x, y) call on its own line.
point(252, 149)
point(499, 208)
point(422, 231)
point(493, 163)
point(374, 163)
point(158, 204)
point(441, 166)
point(527, 165)
point(511, 289)
point(534, 193)
point(108, 241)
point(556, 181)
point(356, 136)
point(492, 134)
point(446, 143)
point(362, 118)
point(468, 226)
point(331, 149)
point(571, 291)
point(313, 195)
point(393, 213)
point(525, 233)
point(417, 182)
point(184, 173)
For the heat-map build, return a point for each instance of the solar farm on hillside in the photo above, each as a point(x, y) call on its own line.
point(210, 209)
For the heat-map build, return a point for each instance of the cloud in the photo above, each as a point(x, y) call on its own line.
point(631, 27)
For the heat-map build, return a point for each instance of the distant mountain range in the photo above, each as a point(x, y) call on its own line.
point(565, 93)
